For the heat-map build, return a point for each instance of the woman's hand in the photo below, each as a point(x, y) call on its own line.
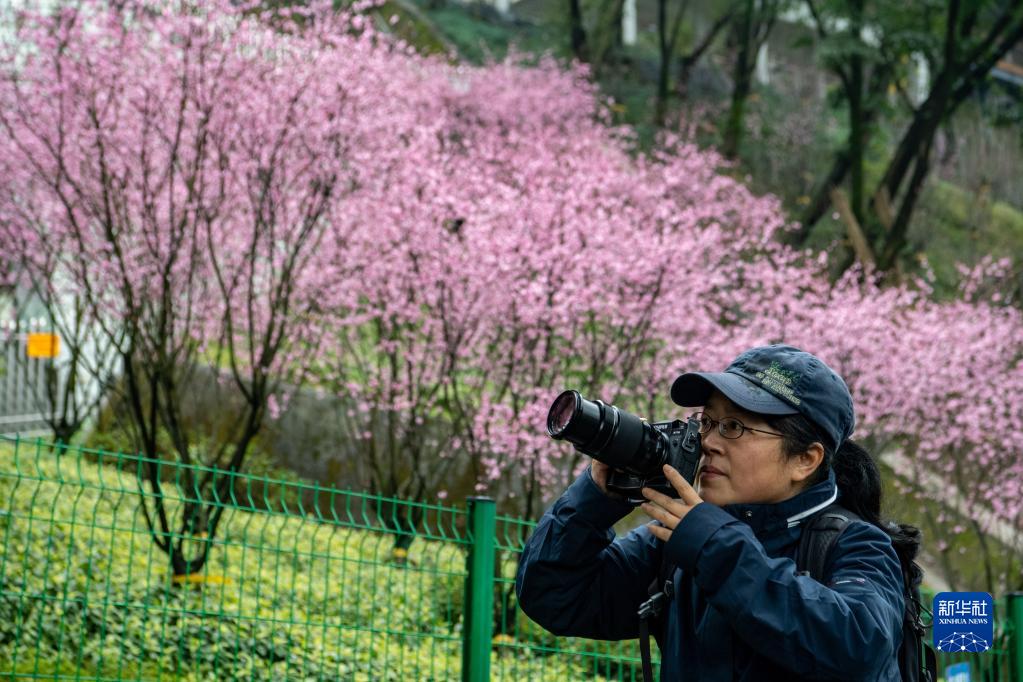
point(667, 510)
point(598, 472)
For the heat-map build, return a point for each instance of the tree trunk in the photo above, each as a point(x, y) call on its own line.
point(863, 110)
point(896, 240)
point(606, 37)
point(687, 62)
point(822, 198)
point(578, 32)
point(742, 84)
point(853, 229)
point(661, 108)
point(920, 131)
point(617, 21)
point(857, 125)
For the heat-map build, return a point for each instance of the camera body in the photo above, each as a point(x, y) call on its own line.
point(683, 453)
point(635, 449)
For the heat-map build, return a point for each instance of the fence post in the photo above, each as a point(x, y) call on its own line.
point(478, 616)
point(1015, 603)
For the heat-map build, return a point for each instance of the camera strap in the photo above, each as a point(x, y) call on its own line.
point(661, 591)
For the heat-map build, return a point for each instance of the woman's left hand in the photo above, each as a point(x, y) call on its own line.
point(669, 511)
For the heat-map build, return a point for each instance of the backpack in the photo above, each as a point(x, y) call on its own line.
point(917, 662)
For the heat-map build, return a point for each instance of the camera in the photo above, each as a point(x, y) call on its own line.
point(635, 449)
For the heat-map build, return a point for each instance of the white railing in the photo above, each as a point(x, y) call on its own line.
point(24, 403)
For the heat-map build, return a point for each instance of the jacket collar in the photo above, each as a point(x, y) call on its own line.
point(788, 513)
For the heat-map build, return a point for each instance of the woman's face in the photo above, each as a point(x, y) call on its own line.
point(750, 469)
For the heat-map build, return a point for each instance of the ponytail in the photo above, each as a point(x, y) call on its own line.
point(859, 491)
point(858, 479)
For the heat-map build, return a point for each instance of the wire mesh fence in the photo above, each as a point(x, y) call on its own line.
point(300, 582)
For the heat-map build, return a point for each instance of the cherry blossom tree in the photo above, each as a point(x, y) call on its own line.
point(183, 166)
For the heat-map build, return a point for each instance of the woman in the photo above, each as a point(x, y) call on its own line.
point(775, 427)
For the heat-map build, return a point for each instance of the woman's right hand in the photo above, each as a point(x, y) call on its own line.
point(599, 471)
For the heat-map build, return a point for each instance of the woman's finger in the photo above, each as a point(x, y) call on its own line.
point(660, 498)
point(689, 496)
point(660, 532)
point(671, 505)
point(655, 512)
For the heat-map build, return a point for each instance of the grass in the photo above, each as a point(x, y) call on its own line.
point(955, 225)
point(294, 591)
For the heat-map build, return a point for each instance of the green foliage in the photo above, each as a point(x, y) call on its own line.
point(306, 596)
point(957, 226)
point(412, 26)
point(479, 35)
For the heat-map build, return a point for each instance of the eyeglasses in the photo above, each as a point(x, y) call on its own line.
point(729, 427)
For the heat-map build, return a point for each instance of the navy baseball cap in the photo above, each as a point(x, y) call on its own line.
point(777, 380)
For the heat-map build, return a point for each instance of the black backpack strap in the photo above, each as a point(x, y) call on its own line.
point(818, 537)
point(644, 649)
point(661, 591)
point(917, 661)
point(930, 671)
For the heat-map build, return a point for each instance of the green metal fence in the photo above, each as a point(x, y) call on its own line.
point(302, 583)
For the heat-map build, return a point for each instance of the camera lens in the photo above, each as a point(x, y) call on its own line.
point(561, 413)
point(606, 433)
point(584, 423)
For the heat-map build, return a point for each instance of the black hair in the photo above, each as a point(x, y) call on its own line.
point(858, 479)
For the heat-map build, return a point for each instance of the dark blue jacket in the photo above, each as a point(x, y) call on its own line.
point(740, 611)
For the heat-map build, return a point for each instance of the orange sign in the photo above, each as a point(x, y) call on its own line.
point(42, 345)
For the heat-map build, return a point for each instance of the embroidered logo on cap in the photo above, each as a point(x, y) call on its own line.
point(780, 381)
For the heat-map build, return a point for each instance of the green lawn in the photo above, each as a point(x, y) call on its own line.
point(84, 593)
